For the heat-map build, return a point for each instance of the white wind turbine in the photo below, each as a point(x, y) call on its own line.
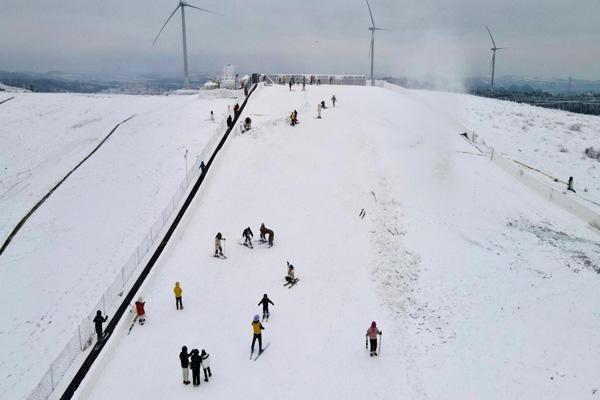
point(182, 5)
point(372, 28)
point(494, 49)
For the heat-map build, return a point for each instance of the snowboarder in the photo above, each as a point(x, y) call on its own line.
point(139, 310)
point(98, 320)
point(218, 248)
point(266, 234)
point(204, 357)
point(319, 111)
point(195, 364)
point(229, 121)
point(372, 333)
point(290, 277)
point(257, 334)
point(184, 357)
point(265, 305)
point(177, 290)
point(333, 100)
point(248, 235)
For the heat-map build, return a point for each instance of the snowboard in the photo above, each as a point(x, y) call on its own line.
point(260, 352)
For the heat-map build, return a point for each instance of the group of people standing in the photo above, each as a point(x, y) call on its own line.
point(195, 360)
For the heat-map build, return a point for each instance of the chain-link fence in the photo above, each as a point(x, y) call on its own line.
point(83, 337)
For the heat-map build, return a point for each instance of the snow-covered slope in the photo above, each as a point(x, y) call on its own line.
point(482, 289)
point(552, 141)
point(63, 259)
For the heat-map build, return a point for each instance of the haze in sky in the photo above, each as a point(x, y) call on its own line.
point(426, 38)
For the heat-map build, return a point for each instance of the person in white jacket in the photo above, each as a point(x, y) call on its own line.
point(319, 110)
point(204, 357)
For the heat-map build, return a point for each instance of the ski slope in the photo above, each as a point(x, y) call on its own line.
point(482, 289)
point(66, 255)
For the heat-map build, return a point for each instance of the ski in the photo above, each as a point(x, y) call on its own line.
point(222, 257)
point(104, 337)
point(132, 324)
point(260, 352)
point(245, 244)
point(291, 283)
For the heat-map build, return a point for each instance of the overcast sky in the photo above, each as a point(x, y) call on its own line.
point(426, 38)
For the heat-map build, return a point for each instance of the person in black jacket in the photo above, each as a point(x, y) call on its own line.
point(185, 365)
point(248, 235)
point(98, 320)
point(229, 121)
point(196, 363)
point(265, 305)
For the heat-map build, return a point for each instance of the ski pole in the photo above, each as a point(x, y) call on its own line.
point(366, 342)
point(379, 351)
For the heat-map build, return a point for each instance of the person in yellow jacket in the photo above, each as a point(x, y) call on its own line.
point(257, 330)
point(178, 291)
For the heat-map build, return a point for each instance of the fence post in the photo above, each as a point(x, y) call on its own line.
point(103, 304)
point(137, 249)
point(492, 157)
point(79, 332)
point(123, 276)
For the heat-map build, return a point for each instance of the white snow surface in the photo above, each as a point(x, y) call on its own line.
point(482, 289)
point(552, 141)
point(57, 267)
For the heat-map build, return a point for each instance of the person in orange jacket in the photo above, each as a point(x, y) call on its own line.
point(178, 291)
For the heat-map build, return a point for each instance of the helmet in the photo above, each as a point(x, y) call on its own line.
point(256, 318)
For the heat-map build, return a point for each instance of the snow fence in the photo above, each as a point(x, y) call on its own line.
point(83, 337)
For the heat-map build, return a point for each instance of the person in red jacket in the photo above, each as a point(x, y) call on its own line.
point(372, 333)
point(139, 310)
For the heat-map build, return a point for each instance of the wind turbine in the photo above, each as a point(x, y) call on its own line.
point(372, 28)
point(182, 5)
point(494, 49)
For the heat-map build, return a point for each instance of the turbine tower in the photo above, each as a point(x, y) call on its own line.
point(372, 28)
point(494, 49)
point(182, 5)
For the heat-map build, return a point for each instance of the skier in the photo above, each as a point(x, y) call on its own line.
point(177, 290)
point(98, 320)
point(204, 357)
point(212, 116)
point(195, 363)
point(229, 121)
point(264, 232)
point(236, 109)
point(294, 117)
point(570, 185)
point(256, 329)
point(323, 106)
point(265, 305)
point(303, 83)
point(218, 248)
point(372, 333)
point(333, 100)
point(319, 111)
point(291, 85)
point(290, 277)
point(248, 235)
point(139, 310)
point(184, 357)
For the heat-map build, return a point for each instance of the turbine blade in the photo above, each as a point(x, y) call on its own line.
point(202, 9)
point(491, 37)
point(370, 13)
point(163, 27)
